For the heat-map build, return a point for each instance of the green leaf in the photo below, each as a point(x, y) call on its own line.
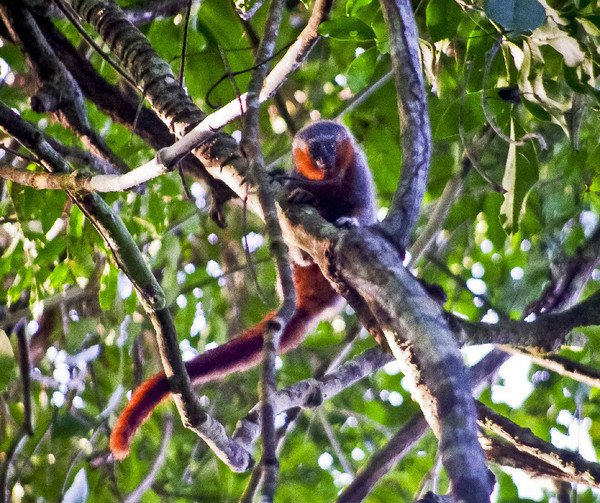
point(516, 15)
point(353, 6)
point(445, 122)
point(562, 42)
point(442, 18)
point(360, 71)
point(8, 363)
point(347, 28)
point(58, 277)
point(536, 110)
point(519, 176)
point(108, 287)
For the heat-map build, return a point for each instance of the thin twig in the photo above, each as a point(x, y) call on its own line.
point(562, 366)
point(274, 328)
point(16, 153)
point(186, 27)
point(451, 192)
point(159, 461)
point(334, 442)
point(361, 97)
point(24, 367)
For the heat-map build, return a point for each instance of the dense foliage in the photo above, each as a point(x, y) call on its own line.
point(528, 203)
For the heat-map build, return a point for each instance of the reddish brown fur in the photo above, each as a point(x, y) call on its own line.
point(341, 184)
point(305, 165)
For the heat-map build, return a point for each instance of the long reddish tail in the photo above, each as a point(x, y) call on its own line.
point(314, 297)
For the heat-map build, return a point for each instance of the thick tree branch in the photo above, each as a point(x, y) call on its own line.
point(152, 74)
point(570, 463)
point(507, 454)
point(547, 332)
point(119, 105)
point(418, 335)
point(558, 295)
point(414, 121)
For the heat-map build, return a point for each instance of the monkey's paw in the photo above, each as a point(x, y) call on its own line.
point(347, 222)
point(278, 175)
point(301, 196)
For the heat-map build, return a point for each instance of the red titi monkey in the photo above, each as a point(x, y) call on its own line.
point(331, 171)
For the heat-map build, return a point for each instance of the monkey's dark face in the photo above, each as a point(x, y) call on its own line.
point(322, 150)
point(324, 153)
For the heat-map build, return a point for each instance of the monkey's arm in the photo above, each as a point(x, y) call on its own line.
point(314, 297)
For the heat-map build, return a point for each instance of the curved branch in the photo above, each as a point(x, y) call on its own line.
point(414, 121)
point(567, 462)
point(312, 392)
point(547, 332)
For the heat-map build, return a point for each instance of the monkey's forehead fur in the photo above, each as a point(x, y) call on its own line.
point(321, 131)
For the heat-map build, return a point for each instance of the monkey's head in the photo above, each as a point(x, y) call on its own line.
point(322, 150)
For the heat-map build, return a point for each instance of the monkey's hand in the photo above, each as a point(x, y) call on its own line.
point(347, 222)
point(301, 196)
point(277, 175)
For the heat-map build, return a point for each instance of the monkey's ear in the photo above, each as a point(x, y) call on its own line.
point(345, 151)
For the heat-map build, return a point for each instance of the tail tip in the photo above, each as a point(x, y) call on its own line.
point(118, 446)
